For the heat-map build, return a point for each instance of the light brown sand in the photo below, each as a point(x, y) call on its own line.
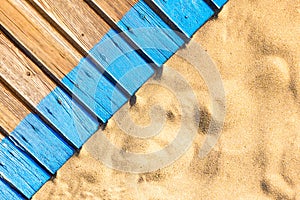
point(255, 45)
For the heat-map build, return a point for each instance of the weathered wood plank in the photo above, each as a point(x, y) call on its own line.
point(22, 75)
point(38, 36)
point(12, 111)
point(30, 133)
point(20, 72)
point(116, 9)
point(76, 18)
point(129, 70)
point(15, 166)
point(145, 29)
point(60, 58)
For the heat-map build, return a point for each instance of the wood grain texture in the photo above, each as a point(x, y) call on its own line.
point(72, 13)
point(11, 167)
point(11, 109)
point(39, 37)
point(37, 89)
point(7, 192)
point(26, 131)
point(22, 74)
point(77, 18)
point(147, 31)
point(122, 62)
point(116, 9)
point(29, 132)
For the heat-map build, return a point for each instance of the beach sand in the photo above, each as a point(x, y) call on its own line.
point(255, 46)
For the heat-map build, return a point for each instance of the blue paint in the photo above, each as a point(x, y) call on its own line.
point(68, 117)
point(7, 193)
point(39, 140)
point(220, 3)
point(122, 62)
point(95, 90)
point(20, 170)
point(31, 136)
point(187, 15)
point(159, 42)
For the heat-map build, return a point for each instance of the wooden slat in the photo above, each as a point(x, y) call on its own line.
point(116, 9)
point(7, 192)
point(75, 17)
point(144, 28)
point(22, 75)
point(26, 129)
point(60, 58)
point(188, 16)
point(129, 70)
point(20, 72)
point(15, 166)
point(12, 111)
point(38, 36)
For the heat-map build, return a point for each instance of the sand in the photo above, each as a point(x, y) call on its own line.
point(255, 46)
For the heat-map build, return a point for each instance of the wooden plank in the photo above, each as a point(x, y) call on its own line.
point(17, 167)
point(188, 16)
point(6, 192)
point(12, 111)
point(29, 132)
point(22, 75)
point(39, 37)
point(116, 9)
point(20, 72)
point(59, 58)
point(145, 29)
point(129, 70)
point(76, 18)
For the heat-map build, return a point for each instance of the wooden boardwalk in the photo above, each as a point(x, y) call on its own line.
point(66, 66)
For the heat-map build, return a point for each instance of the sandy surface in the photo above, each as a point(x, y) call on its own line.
point(255, 45)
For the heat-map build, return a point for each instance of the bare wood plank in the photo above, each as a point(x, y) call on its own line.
point(12, 111)
point(143, 28)
point(39, 37)
point(56, 55)
point(25, 129)
point(76, 18)
point(22, 74)
point(28, 132)
point(116, 9)
point(42, 95)
point(67, 14)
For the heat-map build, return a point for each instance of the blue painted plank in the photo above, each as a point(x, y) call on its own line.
point(20, 170)
point(68, 117)
point(122, 62)
point(7, 193)
point(95, 90)
point(187, 15)
point(220, 3)
point(43, 143)
point(150, 33)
